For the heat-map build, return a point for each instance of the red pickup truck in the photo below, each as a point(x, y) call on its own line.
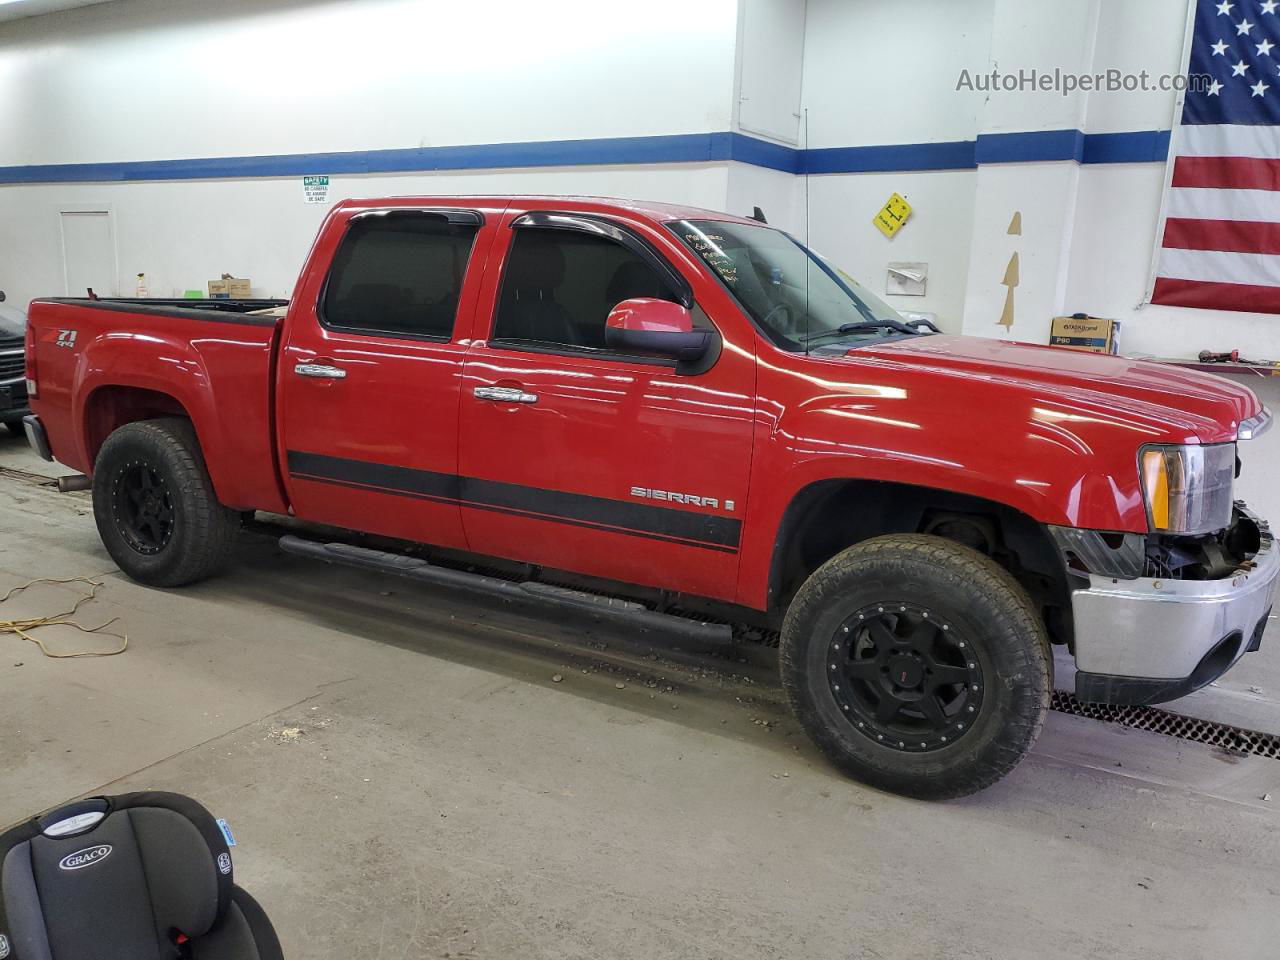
point(650, 410)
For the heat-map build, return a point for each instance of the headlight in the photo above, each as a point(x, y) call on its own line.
point(1188, 489)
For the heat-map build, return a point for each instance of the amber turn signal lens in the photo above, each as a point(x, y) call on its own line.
point(1155, 479)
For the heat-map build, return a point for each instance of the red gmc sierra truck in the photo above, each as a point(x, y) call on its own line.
point(650, 410)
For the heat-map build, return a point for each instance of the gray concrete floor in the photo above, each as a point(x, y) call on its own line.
point(406, 780)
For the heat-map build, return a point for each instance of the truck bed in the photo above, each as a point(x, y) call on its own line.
point(97, 367)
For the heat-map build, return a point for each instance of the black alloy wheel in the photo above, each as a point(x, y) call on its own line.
point(144, 512)
point(904, 677)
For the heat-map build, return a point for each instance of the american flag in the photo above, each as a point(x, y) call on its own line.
point(1221, 246)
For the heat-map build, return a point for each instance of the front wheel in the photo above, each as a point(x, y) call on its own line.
point(917, 665)
point(155, 506)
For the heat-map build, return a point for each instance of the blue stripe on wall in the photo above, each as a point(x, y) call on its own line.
point(954, 155)
point(1035, 147)
point(1144, 146)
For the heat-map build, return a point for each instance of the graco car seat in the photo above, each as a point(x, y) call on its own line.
point(142, 876)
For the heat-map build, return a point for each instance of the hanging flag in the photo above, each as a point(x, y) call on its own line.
point(1221, 244)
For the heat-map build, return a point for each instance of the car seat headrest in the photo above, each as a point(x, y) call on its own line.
point(136, 870)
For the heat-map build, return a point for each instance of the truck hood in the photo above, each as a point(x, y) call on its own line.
point(1180, 405)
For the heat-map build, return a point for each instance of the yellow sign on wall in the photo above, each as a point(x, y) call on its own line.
point(892, 215)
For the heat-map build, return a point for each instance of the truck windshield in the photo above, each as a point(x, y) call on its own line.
point(797, 298)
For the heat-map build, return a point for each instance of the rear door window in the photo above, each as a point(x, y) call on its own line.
point(399, 274)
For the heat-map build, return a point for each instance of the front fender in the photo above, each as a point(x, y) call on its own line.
point(1057, 462)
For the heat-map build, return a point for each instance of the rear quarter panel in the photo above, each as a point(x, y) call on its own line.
point(216, 367)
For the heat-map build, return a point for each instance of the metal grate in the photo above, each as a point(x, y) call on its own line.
point(1235, 739)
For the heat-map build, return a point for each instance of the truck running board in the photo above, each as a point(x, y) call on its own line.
point(415, 568)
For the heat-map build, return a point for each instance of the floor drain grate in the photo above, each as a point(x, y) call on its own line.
point(1235, 739)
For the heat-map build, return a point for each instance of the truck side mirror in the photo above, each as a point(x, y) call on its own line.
point(646, 325)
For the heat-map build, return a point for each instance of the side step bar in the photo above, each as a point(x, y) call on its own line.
point(415, 568)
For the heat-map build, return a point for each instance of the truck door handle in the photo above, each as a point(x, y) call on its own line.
point(505, 395)
point(320, 371)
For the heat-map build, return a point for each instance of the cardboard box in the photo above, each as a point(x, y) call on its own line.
point(1083, 332)
point(230, 288)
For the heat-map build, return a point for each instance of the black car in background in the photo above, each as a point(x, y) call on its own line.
point(13, 374)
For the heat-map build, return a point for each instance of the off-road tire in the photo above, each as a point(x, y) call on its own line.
point(203, 531)
point(982, 602)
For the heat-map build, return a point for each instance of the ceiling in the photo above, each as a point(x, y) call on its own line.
point(14, 9)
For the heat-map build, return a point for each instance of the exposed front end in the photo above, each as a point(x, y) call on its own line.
point(1149, 639)
point(1161, 614)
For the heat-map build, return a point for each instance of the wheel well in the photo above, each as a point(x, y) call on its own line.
point(830, 516)
point(110, 408)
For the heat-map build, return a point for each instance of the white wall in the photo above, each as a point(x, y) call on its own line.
point(885, 71)
point(143, 80)
point(879, 72)
point(840, 211)
point(182, 234)
point(164, 79)
point(771, 36)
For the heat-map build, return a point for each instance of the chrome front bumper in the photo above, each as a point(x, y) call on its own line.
point(1150, 640)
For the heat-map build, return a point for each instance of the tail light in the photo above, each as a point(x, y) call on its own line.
point(29, 350)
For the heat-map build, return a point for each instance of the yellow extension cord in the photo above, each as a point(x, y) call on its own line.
point(22, 627)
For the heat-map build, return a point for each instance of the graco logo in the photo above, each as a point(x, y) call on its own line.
point(224, 863)
point(85, 858)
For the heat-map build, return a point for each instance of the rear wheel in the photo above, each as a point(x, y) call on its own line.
point(155, 506)
point(918, 665)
